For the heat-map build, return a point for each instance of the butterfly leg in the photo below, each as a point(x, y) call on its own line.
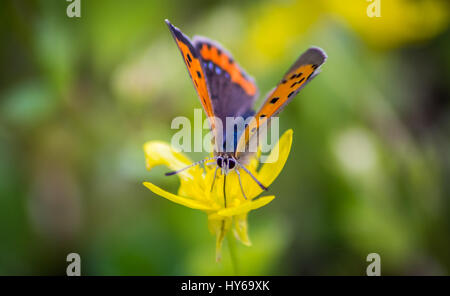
point(214, 179)
point(240, 183)
point(253, 177)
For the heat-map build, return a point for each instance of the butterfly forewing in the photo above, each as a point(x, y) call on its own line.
point(196, 71)
point(300, 73)
point(232, 91)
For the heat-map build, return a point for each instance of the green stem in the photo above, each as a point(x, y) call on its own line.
point(230, 238)
point(233, 254)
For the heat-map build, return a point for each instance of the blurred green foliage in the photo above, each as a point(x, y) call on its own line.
point(369, 166)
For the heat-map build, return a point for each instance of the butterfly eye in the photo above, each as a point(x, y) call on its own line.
point(225, 162)
point(219, 162)
point(231, 164)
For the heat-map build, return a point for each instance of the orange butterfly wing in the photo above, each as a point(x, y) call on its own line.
point(193, 63)
point(304, 69)
point(212, 51)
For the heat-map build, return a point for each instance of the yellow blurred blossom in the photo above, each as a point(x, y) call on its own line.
point(275, 27)
point(400, 21)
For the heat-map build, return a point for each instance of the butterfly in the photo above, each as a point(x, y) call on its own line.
point(225, 90)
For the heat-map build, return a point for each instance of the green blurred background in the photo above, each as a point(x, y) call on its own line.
point(369, 169)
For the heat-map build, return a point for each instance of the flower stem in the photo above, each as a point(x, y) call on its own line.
point(230, 238)
point(233, 256)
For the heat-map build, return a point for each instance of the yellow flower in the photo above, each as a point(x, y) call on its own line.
point(195, 187)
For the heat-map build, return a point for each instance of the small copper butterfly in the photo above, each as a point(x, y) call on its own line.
point(225, 90)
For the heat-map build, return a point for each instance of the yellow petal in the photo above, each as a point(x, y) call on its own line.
point(254, 161)
point(273, 166)
point(246, 206)
point(194, 188)
point(220, 228)
point(240, 229)
point(190, 203)
point(161, 153)
point(214, 216)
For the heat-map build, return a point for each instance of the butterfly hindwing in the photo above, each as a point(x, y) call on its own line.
point(301, 72)
point(196, 71)
point(232, 91)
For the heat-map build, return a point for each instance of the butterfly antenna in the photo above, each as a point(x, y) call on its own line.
point(240, 183)
point(253, 177)
point(214, 179)
point(189, 166)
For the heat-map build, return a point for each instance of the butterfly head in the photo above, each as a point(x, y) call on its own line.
point(226, 162)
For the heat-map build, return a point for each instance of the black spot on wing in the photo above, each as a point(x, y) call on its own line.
point(199, 75)
point(290, 95)
point(274, 100)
